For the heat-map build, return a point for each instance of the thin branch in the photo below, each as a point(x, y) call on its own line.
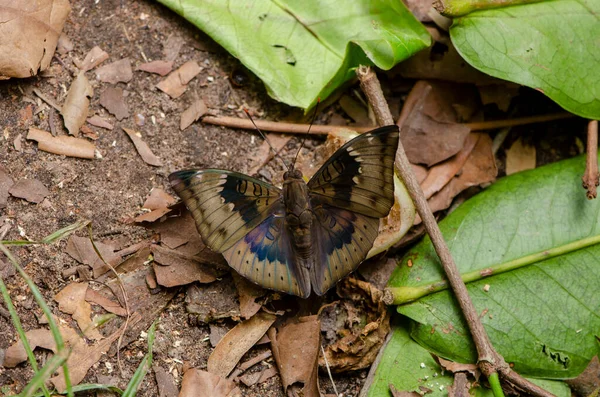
point(489, 360)
point(293, 128)
point(590, 178)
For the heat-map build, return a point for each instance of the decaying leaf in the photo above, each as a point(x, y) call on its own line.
point(100, 122)
point(115, 72)
point(520, 157)
point(250, 379)
point(71, 300)
point(458, 367)
point(248, 293)
point(112, 100)
point(92, 59)
point(142, 148)
point(153, 215)
point(201, 383)
point(107, 304)
point(176, 83)
point(31, 190)
point(158, 67)
point(180, 232)
point(158, 198)
point(173, 268)
point(355, 327)
point(6, 182)
point(196, 110)
point(65, 145)
point(81, 249)
point(165, 382)
point(296, 350)
point(237, 342)
point(399, 393)
point(212, 301)
point(29, 32)
point(76, 106)
point(264, 154)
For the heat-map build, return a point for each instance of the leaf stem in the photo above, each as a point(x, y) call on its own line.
point(456, 8)
point(590, 177)
point(495, 385)
point(402, 295)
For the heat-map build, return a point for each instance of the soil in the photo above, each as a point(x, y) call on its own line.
point(110, 190)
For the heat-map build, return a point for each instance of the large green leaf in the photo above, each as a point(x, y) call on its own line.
point(543, 312)
point(303, 50)
point(552, 46)
point(408, 366)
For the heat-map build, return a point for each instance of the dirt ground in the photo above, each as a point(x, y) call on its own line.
point(110, 190)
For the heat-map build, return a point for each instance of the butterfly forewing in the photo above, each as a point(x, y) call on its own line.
point(342, 240)
point(225, 205)
point(359, 176)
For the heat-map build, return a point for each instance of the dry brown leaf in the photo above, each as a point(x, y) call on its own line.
point(237, 342)
point(42, 337)
point(112, 100)
point(29, 33)
point(64, 45)
point(180, 231)
point(173, 268)
point(153, 215)
point(250, 379)
point(458, 367)
point(420, 172)
point(81, 249)
point(520, 157)
point(214, 301)
point(172, 46)
point(398, 393)
point(165, 382)
point(201, 383)
point(460, 387)
point(176, 83)
point(366, 323)
point(6, 182)
point(196, 110)
point(158, 67)
point(92, 59)
point(501, 94)
point(440, 174)
point(107, 304)
point(76, 106)
point(264, 154)
point(115, 72)
point(100, 122)
point(356, 110)
point(217, 332)
point(142, 148)
point(31, 190)
point(248, 293)
point(71, 300)
point(158, 199)
point(296, 350)
point(65, 145)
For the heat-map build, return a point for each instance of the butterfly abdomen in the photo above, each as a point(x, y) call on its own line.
point(298, 216)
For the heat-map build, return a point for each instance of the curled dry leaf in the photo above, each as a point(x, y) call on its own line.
point(64, 145)
point(173, 268)
point(100, 122)
point(158, 67)
point(115, 72)
point(520, 157)
point(196, 110)
point(365, 323)
point(29, 34)
point(92, 59)
point(296, 350)
point(71, 300)
point(237, 342)
point(77, 103)
point(6, 182)
point(176, 83)
point(112, 100)
point(201, 383)
point(31, 190)
point(142, 148)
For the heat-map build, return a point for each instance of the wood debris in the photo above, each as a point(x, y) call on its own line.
point(64, 145)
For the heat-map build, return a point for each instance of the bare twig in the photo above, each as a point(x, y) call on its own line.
point(488, 359)
point(590, 178)
point(293, 128)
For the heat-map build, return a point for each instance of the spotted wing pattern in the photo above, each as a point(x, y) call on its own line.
point(359, 176)
point(225, 205)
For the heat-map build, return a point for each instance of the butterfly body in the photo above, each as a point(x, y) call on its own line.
point(305, 236)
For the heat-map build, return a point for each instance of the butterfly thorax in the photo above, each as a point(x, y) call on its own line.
point(298, 213)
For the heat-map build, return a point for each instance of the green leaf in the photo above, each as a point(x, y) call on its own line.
point(303, 51)
point(541, 316)
point(408, 366)
point(551, 46)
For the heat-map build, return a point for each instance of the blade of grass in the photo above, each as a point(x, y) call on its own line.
point(51, 238)
point(89, 387)
point(46, 372)
point(60, 345)
point(144, 366)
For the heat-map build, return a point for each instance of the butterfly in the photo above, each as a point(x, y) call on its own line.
point(305, 236)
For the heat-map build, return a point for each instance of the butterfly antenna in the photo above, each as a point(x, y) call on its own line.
point(275, 154)
point(307, 132)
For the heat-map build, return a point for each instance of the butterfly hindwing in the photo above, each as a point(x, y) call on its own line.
point(225, 205)
point(342, 240)
point(359, 175)
point(266, 257)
